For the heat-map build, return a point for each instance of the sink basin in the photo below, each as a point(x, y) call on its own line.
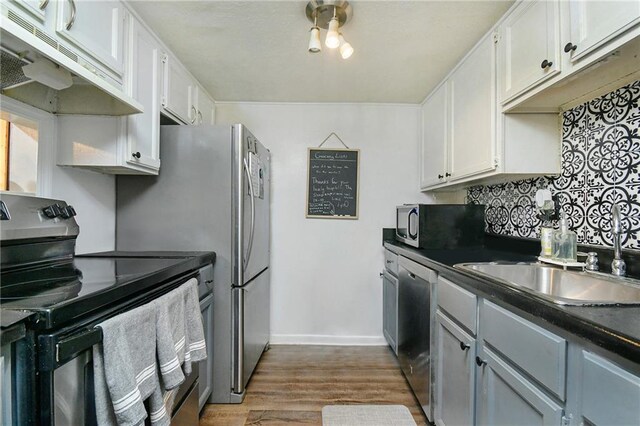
point(561, 286)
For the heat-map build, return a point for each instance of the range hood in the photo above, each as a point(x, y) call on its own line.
point(89, 94)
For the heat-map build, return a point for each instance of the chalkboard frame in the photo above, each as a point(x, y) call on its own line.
point(306, 207)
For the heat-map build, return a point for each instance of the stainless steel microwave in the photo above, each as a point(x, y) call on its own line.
point(440, 225)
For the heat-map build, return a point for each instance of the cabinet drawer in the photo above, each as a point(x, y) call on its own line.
point(537, 351)
point(391, 262)
point(609, 394)
point(458, 303)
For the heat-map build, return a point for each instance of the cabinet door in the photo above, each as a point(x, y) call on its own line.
point(528, 37)
point(455, 368)
point(143, 130)
point(472, 140)
point(176, 90)
point(507, 398)
point(593, 23)
point(609, 395)
point(434, 139)
point(205, 108)
point(390, 309)
point(95, 27)
point(36, 8)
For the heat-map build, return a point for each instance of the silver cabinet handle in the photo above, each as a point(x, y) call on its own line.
point(43, 4)
point(195, 114)
point(199, 117)
point(73, 15)
point(253, 214)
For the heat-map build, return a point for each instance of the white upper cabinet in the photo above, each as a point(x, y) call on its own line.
point(143, 130)
point(529, 50)
point(472, 88)
point(433, 164)
point(545, 44)
point(36, 8)
point(205, 106)
point(177, 87)
point(592, 23)
point(96, 27)
point(464, 130)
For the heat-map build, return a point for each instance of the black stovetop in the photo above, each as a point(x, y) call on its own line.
point(59, 292)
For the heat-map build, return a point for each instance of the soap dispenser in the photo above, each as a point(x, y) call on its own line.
point(565, 242)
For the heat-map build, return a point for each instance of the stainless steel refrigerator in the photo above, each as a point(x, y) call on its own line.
point(212, 194)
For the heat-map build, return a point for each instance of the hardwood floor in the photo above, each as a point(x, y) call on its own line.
point(291, 384)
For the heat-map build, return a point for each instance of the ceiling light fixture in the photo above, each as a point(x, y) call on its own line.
point(329, 15)
point(345, 48)
point(314, 42)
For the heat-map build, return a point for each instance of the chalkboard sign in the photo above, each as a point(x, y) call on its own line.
point(332, 183)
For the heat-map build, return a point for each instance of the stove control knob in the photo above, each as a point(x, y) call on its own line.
point(53, 211)
point(68, 212)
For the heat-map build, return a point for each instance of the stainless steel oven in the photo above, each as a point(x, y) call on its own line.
point(64, 298)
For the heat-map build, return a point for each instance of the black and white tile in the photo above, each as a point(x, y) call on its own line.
point(600, 167)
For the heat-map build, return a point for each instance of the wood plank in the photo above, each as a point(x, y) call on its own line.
point(4, 155)
point(291, 384)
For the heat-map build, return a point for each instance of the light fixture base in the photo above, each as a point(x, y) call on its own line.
point(323, 11)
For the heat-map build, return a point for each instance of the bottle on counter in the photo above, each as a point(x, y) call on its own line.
point(546, 240)
point(565, 242)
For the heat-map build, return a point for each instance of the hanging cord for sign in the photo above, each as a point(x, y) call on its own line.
point(333, 134)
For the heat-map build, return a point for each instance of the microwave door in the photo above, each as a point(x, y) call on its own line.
point(401, 224)
point(412, 225)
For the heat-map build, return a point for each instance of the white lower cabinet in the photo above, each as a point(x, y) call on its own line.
point(508, 398)
point(455, 373)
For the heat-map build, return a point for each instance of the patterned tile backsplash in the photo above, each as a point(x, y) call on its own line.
point(600, 163)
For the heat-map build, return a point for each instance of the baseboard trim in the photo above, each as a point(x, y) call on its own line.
point(314, 339)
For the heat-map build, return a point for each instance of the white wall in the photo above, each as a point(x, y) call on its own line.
point(325, 272)
point(91, 194)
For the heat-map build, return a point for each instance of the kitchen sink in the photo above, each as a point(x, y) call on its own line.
point(563, 287)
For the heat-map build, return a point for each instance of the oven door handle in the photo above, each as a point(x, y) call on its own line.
point(69, 347)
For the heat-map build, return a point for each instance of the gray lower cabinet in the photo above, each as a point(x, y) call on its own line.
point(508, 398)
point(390, 309)
point(608, 395)
point(455, 373)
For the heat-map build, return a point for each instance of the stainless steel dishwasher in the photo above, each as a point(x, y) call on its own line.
point(416, 312)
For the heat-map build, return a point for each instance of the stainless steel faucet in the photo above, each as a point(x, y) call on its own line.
point(618, 267)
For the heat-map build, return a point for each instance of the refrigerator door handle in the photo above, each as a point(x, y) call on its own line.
point(253, 215)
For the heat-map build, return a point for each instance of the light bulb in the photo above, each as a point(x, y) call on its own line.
point(332, 41)
point(345, 48)
point(314, 41)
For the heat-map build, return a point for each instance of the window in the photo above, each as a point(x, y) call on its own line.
point(18, 154)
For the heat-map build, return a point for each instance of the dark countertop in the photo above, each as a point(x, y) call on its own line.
point(613, 328)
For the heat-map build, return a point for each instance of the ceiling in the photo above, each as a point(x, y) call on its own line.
point(257, 50)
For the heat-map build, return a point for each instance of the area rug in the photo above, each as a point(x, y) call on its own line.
point(366, 415)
